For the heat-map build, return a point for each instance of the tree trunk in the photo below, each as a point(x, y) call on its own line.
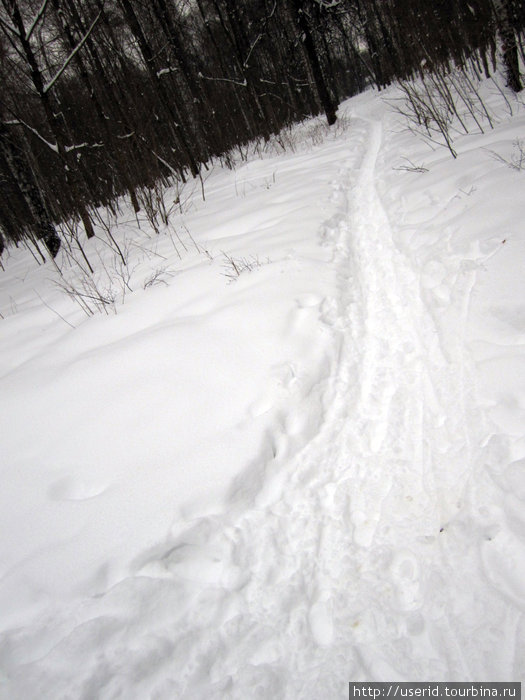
point(25, 181)
point(70, 169)
point(153, 70)
point(311, 52)
point(508, 44)
point(90, 87)
point(237, 40)
point(201, 108)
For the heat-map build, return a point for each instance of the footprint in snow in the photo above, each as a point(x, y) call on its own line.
point(321, 622)
point(502, 557)
point(196, 564)
point(72, 489)
point(515, 478)
point(306, 301)
point(283, 377)
point(405, 572)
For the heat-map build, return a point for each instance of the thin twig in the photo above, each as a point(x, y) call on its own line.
point(44, 302)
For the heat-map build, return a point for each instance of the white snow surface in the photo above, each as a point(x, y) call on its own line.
point(311, 474)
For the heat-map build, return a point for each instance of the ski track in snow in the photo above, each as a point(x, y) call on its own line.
point(304, 586)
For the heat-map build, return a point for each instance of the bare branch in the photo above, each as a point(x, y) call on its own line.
point(165, 162)
point(36, 20)
point(225, 80)
point(44, 302)
point(72, 54)
point(8, 28)
point(20, 122)
point(266, 20)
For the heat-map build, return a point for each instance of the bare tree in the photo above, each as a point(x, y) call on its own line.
point(509, 45)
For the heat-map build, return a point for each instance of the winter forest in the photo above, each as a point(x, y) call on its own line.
point(101, 98)
point(262, 347)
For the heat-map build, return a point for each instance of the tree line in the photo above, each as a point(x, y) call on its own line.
point(101, 98)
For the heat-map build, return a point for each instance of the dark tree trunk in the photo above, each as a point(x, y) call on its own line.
point(235, 36)
point(509, 44)
point(30, 191)
point(304, 31)
point(69, 165)
point(153, 69)
point(250, 128)
point(201, 109)
point(90, 87)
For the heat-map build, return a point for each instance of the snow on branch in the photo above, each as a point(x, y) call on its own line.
point(225, 80)
point(52, 146)
point(165, 71)
point(68, 60)
point(36, 20)
point(20, 122)
point(266, 20)
point(245, 64)
point(77, 147)
point(166, 164)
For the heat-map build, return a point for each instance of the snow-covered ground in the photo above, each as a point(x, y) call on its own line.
point(269, 484)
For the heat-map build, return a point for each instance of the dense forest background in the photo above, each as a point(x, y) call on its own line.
point(101, 98)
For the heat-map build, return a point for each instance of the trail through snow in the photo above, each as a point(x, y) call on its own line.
point(368, 554)
point(323, 591)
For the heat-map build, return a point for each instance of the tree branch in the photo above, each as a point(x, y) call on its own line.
point(20, 122)
point(36, 20)
point(225, 80)
point(72, 55)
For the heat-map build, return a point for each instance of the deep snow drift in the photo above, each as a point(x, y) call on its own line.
point(268, 484)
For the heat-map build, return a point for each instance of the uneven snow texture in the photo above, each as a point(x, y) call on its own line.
point(310, 475)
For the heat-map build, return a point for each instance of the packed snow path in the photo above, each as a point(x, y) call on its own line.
point(348, 566)
point(352, 559)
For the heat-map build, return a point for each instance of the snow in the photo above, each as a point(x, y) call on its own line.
point(271, 484)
